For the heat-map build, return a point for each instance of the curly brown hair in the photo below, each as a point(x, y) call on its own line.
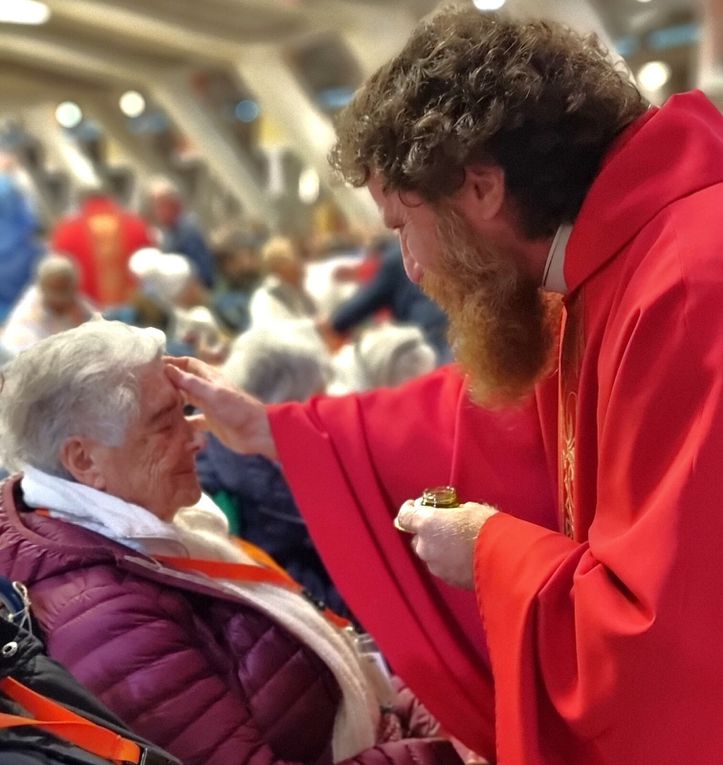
point(536, 98)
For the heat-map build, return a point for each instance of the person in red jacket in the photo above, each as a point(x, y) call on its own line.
point(101, 237)
point(537, 195)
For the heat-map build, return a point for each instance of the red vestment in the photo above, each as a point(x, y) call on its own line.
point(101, 239)
point(605, 646)
point(352, 461)
point(603, 636)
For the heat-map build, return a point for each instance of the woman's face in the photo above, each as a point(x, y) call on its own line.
point(155, 466)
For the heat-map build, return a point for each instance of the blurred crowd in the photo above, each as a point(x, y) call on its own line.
point(284, 319)
point(346, 295)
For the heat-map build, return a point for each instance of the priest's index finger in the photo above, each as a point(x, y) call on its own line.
point(197, 390)
point(189, 364)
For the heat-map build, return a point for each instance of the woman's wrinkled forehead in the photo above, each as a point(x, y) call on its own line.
point(157, 394)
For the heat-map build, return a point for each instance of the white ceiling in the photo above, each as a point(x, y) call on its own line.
point(156, 34)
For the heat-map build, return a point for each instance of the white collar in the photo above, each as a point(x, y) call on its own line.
point(553, 279)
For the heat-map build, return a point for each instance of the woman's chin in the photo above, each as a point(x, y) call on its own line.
point(184, 498)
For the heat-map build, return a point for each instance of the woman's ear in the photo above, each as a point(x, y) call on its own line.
point(78, 457)
point(483, 192)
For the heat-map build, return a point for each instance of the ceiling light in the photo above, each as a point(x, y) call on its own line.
point(24, 12)
point(643, 1)
point(132, 104)
point(653, 75)
point(247, 110)
point(309, 183)
point(69, 114)
point(488, 5)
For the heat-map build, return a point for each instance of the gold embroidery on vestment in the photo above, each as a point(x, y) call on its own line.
point(570, 364)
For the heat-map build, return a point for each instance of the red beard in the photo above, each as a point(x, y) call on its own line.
point(503, 328)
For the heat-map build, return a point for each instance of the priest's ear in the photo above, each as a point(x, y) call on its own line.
point(78, 455)
point(482, 195)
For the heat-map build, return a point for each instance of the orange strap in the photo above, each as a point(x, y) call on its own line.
point(61, 722)
point(268, 571)
point(259, 555)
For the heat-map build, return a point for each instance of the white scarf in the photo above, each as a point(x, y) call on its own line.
point(201, 531)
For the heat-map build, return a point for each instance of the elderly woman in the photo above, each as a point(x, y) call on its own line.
point(140, 592)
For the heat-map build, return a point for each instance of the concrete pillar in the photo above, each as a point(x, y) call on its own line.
point(171, 91)
point(142, 160)
point(300, 124)
point(377, 35)
point(709, 66)
point(60, 148)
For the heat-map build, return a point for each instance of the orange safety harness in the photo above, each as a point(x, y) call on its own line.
point(267, 571)
point(56, 719)
point(106, 743)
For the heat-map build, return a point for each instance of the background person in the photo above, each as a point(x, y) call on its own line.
point(390, 289)
point(170, 282)
point(51, 304)
point(238, 266)
point(281, 295)
point(101, 237)
point(383, 356)
point(20, 246)
point(176, 229)
point(274, 366)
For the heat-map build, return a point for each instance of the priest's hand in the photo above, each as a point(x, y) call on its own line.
point(235, 418)
point(444, 538)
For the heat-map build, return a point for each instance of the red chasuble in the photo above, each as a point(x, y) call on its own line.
point(352, 461)
point(604, 635)
point(101, 238)
point(605, 643)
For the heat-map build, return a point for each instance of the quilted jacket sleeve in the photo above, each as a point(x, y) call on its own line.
point(409, 752)
point(162, 666)
point(418, 727)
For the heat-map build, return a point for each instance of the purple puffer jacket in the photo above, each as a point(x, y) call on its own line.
point(187, 666)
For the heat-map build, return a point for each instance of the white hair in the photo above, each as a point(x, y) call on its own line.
point(384, 356)
point(161, 185)
point(82, 382)
point(286, 362)
point(54, 264)
point(160, 274)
